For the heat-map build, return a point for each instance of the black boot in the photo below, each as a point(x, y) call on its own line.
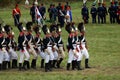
point(46, 67)
point(73, 65)
point(25, 65)
point(9, 64)
point(86, 64)
point(16, 66)
point(28, 65)
point(50, 65)
point(20, 66)
point(42, 63)
point(68, 66)
point(3, 65)
point(79, 65)
point(59, 62)
point(54, 63)
point(0, 67)
point(33, 64)
point(13, 63)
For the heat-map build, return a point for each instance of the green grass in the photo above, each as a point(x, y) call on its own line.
point(103, 45)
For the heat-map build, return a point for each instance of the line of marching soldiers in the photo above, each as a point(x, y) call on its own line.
point(50, 48)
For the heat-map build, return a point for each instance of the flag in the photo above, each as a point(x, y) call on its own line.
point(38, 16)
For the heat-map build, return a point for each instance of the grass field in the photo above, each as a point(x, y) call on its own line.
point(103, 45)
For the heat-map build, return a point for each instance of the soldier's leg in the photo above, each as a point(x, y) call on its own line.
point(7, 59)
point(42, 54)
point(55, 59)
point(26, 61)
point(70, 58)
point(14, 58)
point(1, 59)
point(86, 58)
point(47, 58)
point(21, 59)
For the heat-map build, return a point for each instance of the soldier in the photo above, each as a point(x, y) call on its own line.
point(61, 14)
point(85, 13)
point(1, 47)
point(39, 44)
point(104, 12)
point(60, 45)
point(11, 45)
point(6, 56)
point(31, 44)
point(42, 10)
point(112, 13)
point(32, 12)
point(84, 48)
point(93, 13)
point(100, 11)
point(47, 49)
point(54, 13)
point(72, 52)
point(16, 13)
point(76, 63)
point(54, 41)
point(118, 15)
point(22, 43)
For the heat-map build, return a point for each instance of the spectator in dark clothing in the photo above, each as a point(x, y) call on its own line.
point(32, 12)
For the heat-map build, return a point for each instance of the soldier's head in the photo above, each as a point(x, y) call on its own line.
point(29, 26)
point(36, 29)
point(8, 29)
point(46, 30)
point(81, 27)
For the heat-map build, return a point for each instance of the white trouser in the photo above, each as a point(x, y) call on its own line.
point(61, 53)
point(84, 52)
point(1, 56)
point(70, 56)
point(22, 53)
point(32, 51)
point(50, 53)
point(13, 54)
point(47, 57)
point(55, 53)
point(42, 54)
point(6, 56)
point(79, 53)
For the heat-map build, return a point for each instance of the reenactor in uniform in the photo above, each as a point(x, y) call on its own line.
point(6, 56)
point(61, 14)
point(76, 63)
point(1, 47)
point(50, 13)
point(31, 44)
point(22, 45)
point(84, 48)
point(16, 13)
point(112, 13)
point(104, 12)
point(100, 11)
point(54, 36)
point(118, 15)
point(72, 52)
point(32, 12)
point(47, 49)
point(93, 13)
point(54, 13)
point(39, 44)
point(42, 11)
point(60, 45)
point(11, 46)
point(85, 13)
